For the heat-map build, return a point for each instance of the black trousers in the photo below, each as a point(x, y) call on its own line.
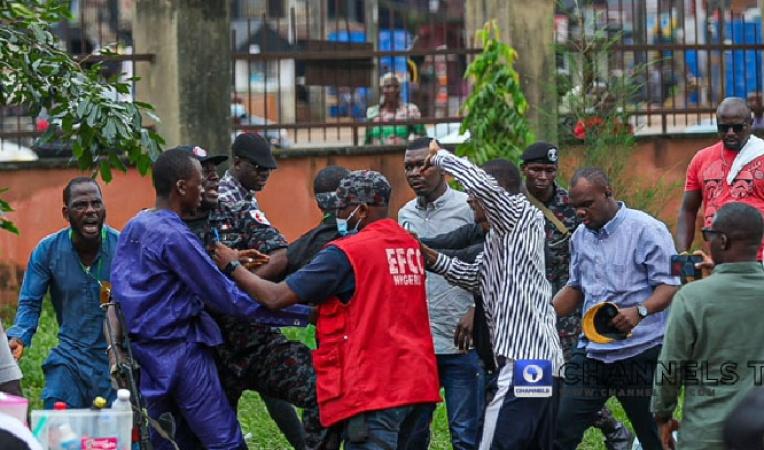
point(588, 385)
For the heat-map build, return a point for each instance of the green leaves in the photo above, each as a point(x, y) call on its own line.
point(5, 207)
point(89, 112)
point(495, 110)
point(95, 116)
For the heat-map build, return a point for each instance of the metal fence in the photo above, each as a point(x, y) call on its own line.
point(309, 71)
point(94, 24)
point(666, 63)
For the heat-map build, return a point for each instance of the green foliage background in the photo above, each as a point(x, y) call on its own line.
point(494, 113)
point(84, 108)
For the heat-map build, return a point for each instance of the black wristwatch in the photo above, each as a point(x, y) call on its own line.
point(231, 266)
point(642, 311)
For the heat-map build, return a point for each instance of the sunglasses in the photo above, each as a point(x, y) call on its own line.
point(736, 127)
point(709, 233)
point(256, 166)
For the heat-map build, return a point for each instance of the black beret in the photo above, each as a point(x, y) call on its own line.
point(541, 153)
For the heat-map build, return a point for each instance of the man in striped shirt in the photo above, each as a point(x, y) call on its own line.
point(510, 275)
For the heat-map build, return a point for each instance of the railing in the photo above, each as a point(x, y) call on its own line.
point(307, 72)
point(308, 78)
point(95, 24)
point(682, 57)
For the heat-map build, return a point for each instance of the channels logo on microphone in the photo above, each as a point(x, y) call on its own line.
point(533, 378)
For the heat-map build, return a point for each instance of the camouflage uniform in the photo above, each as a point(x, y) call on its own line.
point(557, 270)
point(253, 356)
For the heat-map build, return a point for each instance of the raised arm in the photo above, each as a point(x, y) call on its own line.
point(503, 209)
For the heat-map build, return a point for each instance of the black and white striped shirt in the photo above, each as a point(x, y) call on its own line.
point(510, 272)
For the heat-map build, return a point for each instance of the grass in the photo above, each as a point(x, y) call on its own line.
point(261, 431)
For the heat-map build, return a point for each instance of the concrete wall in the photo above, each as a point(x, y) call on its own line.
point(36, 193)
point(189, 84)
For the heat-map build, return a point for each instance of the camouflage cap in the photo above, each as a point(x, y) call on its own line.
point(363, 186)
point(327, 201)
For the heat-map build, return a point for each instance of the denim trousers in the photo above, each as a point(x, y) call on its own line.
point(463, 380)
point(384, 429)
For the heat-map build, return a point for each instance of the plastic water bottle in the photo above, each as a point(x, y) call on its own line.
point(122, 401)
point(68, 439)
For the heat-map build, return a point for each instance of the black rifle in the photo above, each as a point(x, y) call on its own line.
point(127, 373)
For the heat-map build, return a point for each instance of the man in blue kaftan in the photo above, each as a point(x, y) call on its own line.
point(164, 279)
point(71, 264)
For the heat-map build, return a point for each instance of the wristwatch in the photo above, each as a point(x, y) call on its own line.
point(231, 266)
point(642, 311)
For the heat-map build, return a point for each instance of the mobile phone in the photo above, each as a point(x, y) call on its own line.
point(683, 266)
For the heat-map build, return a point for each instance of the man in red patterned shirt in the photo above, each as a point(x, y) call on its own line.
point(732, 170)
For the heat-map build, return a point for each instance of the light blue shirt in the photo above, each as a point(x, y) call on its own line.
point(623, 263)
point(447, 304)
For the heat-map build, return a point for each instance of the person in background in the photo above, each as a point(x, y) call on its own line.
point(711, 325)
point(71, 264)
point(619, 255)
point(757, 109)
point(539, 165)
point(301, 252)
point(732, 170)
point(375, 361)
point(439, 209)
point(392, 108)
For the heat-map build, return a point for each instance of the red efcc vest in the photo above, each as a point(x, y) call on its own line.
point(376, 351)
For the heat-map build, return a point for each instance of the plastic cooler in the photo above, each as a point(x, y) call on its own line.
point(84, 429)
point(14, 406)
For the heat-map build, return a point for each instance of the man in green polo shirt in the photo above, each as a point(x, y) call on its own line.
point(713, 342)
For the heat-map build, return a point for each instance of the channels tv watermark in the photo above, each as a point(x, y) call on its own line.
point(532, 378)
point(636, 378)
point(689, 373)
